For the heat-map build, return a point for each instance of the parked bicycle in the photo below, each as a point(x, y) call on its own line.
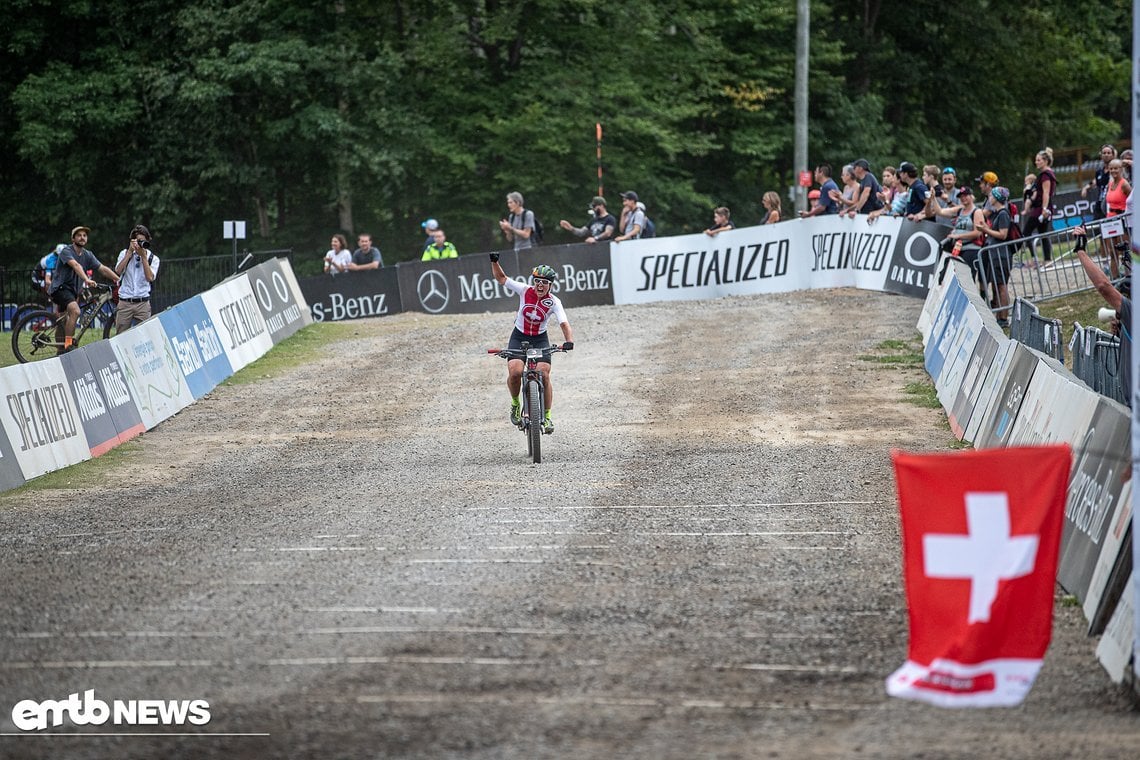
point(533, 393)
point(39, 334)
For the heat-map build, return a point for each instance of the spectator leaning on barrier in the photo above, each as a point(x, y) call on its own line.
point(1122, 325)
point(867, 195)
point(338, 257)
point(632, 218)
point(440, 248)
point(137, 267)
point(996, 259)
point(721, 221)
point(367, 256)
point(827, 192)
point(601, 225)
point(944, 196)
point(916, 190)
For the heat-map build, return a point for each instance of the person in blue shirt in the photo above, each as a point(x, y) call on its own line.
point(826, 204)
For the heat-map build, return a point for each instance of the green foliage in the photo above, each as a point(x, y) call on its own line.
point(307, 119)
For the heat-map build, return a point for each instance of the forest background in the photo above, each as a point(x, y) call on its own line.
point(311, 118)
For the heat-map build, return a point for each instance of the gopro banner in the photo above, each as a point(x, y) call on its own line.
point(114, 389)
point(196, 346)
point(277, 297)
point(352, 295)
point(40, 418)
point(233, 309)
point(157, 385)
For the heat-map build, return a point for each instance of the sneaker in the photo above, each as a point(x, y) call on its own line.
point(547, 425)
point(516, 414)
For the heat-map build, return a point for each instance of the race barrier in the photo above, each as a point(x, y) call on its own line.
point(998, 392)
point(70, 408)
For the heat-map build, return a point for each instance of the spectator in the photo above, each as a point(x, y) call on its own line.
point(996, 259)
point(867, 197)
point(944, 197)
point(518, 227)
point(916, 191)
point(1100, 181)
point(601, 226)
point(44, 269)
point(136, 267)
point(721, 221)
point(367, 256)
point(440, 248)
point(1039, 212)
point(889, 190)
point(986, 183)
point(71, 277)
point(632, 218)
point(846, 197)
point(429, 226)
point(338, 257)
point(813, 198)
point(1117, 190)
point(771, 202)
point(1126, 159)
point(827, 192)
point(1122, 325)
point(964, 235)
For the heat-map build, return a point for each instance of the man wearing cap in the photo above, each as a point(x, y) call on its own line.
point(602, 223)
point(995, 260)
point(986, 184)
point(71, 277)
point(632, 218)
point(429, 226)
point(867, 195)
point(137, 267)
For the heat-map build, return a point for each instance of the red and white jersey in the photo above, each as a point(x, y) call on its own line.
point(534, 313)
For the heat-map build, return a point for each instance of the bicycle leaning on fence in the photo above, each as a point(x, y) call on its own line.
point(39, 334)
point(533, 393)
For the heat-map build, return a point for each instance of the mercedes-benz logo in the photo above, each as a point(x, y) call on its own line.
point(432, 290)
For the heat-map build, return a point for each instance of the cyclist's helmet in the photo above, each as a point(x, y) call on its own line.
point(544, 272)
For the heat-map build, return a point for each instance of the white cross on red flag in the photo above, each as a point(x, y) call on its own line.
point(981, 533)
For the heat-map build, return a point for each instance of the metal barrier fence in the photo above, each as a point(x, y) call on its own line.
point(1031, 329)
point(1096, 360)
point(178, 279)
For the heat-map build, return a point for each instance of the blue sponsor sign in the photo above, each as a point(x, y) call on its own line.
point(196, 345)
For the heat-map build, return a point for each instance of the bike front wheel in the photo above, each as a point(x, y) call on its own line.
point(534, 429)
point(33, 336)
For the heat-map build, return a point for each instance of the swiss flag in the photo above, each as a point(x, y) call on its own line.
point(981, 532)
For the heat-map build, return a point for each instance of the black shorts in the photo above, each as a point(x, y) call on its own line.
point(62, 296)
point(535, 341)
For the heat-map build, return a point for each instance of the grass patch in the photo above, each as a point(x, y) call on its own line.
point(899, 353)
point(922, 394)
point(108, 467)
point(299, 348)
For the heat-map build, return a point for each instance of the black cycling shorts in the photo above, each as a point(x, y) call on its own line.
point(62, 296)
point(536, 341)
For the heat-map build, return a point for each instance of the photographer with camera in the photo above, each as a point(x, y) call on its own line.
point(137, 267)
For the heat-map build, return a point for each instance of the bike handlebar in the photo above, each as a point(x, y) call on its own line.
point(519, 353)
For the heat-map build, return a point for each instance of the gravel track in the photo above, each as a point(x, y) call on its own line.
point(357, 559)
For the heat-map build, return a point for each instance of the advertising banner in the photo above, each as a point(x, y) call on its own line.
point(583, 272)
point(1095, 489)
point(277, 299)
point(40, 418)
point(352, 295)
point(944, 328)
point(1057, 408)
point(94, 412)
point(977, 368)
point(1006, 403)
point(458, 286)
point(236, 316)
point(157, 385)
point(1114, 649)
point(794, 255)
point(912, 265)
point(961, 347)
point(941, 281)
point(115, 390)
point(196, 346)
point(11, 475)
point(995, 378)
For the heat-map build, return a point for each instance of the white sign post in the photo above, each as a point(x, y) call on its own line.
point(234, 231)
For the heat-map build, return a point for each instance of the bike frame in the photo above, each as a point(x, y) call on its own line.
point(533, 393)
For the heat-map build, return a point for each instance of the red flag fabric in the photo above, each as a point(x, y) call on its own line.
point(981, 533)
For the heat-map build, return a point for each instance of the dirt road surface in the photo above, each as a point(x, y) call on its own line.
point(355, 559)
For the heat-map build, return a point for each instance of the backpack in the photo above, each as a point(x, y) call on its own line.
point(650, 229)
point(536, 236)
point(1014, 229)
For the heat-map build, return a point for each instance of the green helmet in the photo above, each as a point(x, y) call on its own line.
point(545, 272)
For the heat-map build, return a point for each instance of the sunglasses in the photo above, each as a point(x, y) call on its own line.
point(537, 280)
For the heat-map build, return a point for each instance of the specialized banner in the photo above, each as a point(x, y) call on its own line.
point(980, 534)
point(1095, 489)
point(157, 385)
point(11, 475)
point(236, 316)
point(277, 297)
point(353, 295)
point(196, 346)
point(114, 389)
point(94, 411)
point(40, 418)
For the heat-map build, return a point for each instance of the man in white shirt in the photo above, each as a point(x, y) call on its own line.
point(137, 267)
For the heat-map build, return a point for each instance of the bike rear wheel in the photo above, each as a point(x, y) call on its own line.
point(534, 429)
point(33, 336)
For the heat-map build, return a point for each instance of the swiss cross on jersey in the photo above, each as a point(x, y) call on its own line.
point(981, 537)
point(534, 313)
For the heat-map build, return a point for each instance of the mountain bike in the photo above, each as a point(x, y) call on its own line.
point(39, 334)
point(533, 394)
